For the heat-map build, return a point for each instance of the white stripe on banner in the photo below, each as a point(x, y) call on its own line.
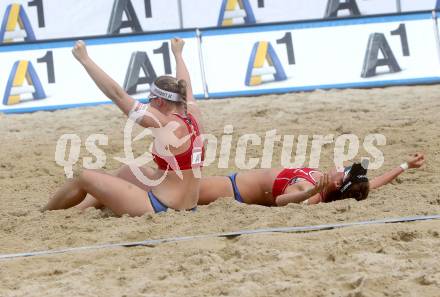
point(263, 70)
point(235, 14)
point(15, 34)
point(154, 242)
point(22, 90)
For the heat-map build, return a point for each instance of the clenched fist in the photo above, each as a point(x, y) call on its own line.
point(177, 46)
point(79, 51)
point(416, 160)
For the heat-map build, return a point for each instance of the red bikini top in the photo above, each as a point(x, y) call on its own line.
point(192, 158)
point(289, 176)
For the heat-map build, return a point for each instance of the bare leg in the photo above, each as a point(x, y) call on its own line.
point(88, 202)
point(70, 194)
point(117, 194)
point(126, 174)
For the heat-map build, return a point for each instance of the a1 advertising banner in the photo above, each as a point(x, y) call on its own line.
point(358, 52)
point(28, 20)
point(223, 13)
point(49, 19)
point(46, 76)
point(376, 51)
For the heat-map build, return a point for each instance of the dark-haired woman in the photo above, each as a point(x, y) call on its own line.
point(279, 187)
point(178, 152)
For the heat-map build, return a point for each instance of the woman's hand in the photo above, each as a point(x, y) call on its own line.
point(79, 51)
point(177, 46)
point(416, 160)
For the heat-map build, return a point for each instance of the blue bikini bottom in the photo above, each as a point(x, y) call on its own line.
point(237, 194)
point(159, 206)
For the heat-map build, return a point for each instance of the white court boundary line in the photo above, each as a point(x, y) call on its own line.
point(154, 242)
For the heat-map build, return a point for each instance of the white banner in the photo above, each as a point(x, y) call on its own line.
point(418, 5)
point(47, 76)
point(366, 52)
point(212, 13)
point(50, 19)
point(346, 53)
point(27, 20)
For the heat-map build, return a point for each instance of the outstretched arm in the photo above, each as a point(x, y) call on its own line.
point(112, 89)
point(415, 161)
point(308, 195)
point(105, 83)
point(181, 70)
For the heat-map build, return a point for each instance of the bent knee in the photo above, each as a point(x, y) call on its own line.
point(124, 171)
point(89, 176)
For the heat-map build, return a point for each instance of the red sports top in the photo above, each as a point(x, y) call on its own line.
point(192, 158)
point(289, 176)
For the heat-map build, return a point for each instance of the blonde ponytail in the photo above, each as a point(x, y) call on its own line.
point(181, 83)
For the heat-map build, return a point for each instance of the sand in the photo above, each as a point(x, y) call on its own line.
point(381, 260)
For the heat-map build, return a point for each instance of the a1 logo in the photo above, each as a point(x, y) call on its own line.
point(140, 62)
point(377, 42)
point(24, 79)
point(16, 25)
point(264, 64)
point(235, 11)
point(124, 8)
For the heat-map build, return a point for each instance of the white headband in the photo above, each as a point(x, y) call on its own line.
point(155, 91)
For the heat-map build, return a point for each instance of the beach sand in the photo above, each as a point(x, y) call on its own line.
point(381, 260)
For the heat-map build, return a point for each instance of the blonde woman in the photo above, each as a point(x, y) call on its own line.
point(171, 101)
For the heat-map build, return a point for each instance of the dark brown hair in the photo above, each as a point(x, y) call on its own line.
point(171, 84)
point(358, 191)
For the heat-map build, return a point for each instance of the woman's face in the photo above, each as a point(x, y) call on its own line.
point(359, 191)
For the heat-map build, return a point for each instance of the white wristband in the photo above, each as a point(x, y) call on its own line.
point(137, 111)
point(404, 166)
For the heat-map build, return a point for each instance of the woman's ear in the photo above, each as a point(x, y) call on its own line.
point(154, 102)
point(160, 102)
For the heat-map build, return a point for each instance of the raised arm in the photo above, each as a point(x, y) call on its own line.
point(181, 70)
point(414, 161)
point(309, 196)
point(105, 83)
point(112, 89)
